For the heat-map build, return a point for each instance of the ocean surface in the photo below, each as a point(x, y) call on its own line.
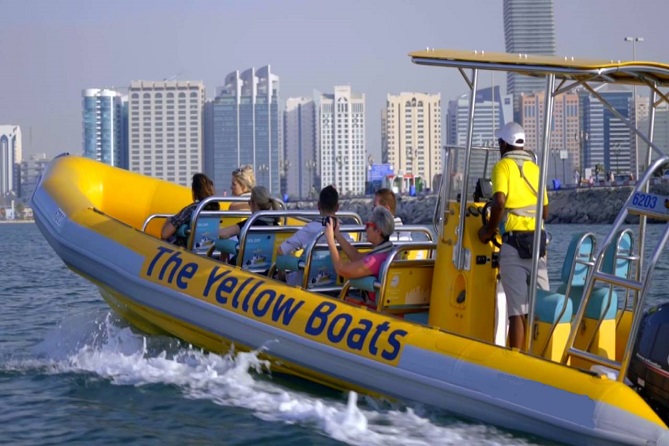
point(72, 372)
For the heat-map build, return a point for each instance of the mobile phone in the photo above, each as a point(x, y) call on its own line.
point(325, 220)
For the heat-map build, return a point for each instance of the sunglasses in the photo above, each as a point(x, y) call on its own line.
point(372, 225)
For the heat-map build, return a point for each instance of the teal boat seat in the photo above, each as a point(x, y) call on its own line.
point(549, 307)
point(603, 303)
point(554, 307)
point(577, 255)
point(617, 255)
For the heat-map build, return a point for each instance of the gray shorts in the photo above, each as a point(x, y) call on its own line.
point(515, 275)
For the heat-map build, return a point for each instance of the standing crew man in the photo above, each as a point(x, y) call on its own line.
point(515, 181)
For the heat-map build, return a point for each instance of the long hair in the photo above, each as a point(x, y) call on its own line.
point(203, 187)
point(261, 197)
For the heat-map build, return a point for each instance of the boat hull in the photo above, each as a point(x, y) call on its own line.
point(161, 288)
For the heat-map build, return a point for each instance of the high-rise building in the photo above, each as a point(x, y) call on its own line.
point(342, 158)
point(247, 128)
point(411, 126)
point(31, 171)
point(564, 155)
point(529, 28)
point(608, 142)
point(102, 118)
point(165, 129)
point(492, 110)
point(300, 146)
point(10, 161)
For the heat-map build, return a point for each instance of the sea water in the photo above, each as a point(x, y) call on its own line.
point(72, 372)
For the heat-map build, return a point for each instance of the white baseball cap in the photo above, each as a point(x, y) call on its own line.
point(512, 133)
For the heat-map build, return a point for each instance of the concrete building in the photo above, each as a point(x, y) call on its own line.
point(411, 126)
point(31, 171)
point(247, 128)
point(300, 147)
point(342, 155)
point(564, 155)
point(492, 110)
point(103, 128)
point(165, 129)
point(529, 28)
point(10, 160)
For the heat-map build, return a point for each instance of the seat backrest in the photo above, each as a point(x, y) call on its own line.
point(205, 233)
point(321, 272)
point(579, 256)
point(617, 255)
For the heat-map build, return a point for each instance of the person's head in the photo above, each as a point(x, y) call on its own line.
point(380, 226)
point(262, 201)
point(511, 136)
point(386, 198)
point(243, 180)
point(202, 187)
point(328, 200)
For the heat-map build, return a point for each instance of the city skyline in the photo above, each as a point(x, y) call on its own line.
point(69, 45)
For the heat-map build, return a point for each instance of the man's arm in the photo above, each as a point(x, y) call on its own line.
point(496, 213)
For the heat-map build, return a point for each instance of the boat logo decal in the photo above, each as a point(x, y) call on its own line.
point(328, 322)
point(58, 217)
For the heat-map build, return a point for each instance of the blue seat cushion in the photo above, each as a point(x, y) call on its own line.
point(549, 306)
point(599, 301)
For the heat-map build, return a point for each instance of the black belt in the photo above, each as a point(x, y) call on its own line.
point(511, 234)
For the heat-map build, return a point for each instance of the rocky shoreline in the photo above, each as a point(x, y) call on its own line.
point(596, 205)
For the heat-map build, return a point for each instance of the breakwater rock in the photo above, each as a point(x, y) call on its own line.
point(596, 205)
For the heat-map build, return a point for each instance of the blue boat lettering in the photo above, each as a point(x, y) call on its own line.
point(172, 266)
point(237, 294)
point(340, 328)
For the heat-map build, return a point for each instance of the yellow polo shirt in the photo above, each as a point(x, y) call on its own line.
point(506, 179)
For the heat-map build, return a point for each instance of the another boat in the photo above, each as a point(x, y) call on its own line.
point(443, 349)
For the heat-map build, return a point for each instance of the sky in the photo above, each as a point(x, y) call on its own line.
point(50, 50)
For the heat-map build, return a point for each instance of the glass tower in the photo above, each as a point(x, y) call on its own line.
point(246, 128)
point(103, 127)
point(529, 28)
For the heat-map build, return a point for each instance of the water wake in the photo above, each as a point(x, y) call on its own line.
point(110, 350)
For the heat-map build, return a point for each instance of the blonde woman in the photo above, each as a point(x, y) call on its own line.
point(243, 180)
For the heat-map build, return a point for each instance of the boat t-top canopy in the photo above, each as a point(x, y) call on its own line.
point(563, 74)
point(565, 68)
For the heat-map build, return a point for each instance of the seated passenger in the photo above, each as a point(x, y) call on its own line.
point(260, 201)
point(328, 205)
point(201, 188)
point(243, 180)
point(386, 198)
point(379, 229)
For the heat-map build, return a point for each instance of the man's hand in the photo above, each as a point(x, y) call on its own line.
point(485, 234)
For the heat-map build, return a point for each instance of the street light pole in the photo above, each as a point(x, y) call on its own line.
point(634, 40)
point(263, 169)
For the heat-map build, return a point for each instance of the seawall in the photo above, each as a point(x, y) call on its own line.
point(597, 205)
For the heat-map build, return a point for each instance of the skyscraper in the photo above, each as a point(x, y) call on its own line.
point(342, 157)
point(10, 160)
point(492, 110)
point(300, 146)
point(165, 129)
point(247, 128)
point(411, 123)
point(529, 28)
point(102, 118)
point(609, 141)
point(564, 148)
